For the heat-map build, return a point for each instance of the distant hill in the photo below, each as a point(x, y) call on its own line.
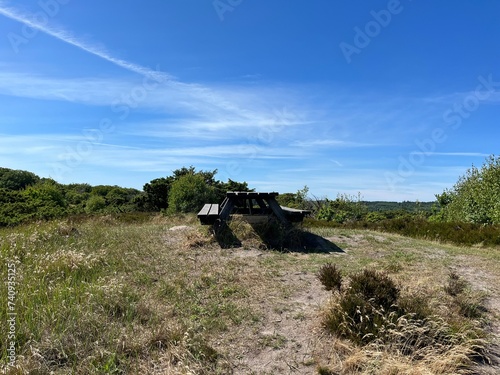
point(379, 206)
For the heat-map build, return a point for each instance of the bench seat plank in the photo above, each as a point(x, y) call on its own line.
point(209, 214)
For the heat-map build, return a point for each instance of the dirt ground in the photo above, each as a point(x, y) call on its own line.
point(288, 338)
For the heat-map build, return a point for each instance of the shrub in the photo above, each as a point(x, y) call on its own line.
point(343, 209)
point(371, 313)
point(456, 285)
point(189, 193)
point(374, 217)
point(295, 200)
point(364, 309)
point(375, 287)
point(475, 198)
point(459, 233)
point(16, 179)
point(330, 276)
point(95, 203)
point(156, 193)
point(356, 319)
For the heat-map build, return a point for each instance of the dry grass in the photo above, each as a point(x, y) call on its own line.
point(112, 296)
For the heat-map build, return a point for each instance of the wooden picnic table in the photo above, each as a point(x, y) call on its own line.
point(249, 204)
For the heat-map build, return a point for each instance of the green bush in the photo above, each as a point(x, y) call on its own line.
point(189, 193)
point(374, 217)
point(460, 233)
point(11, 179)
point(343, 209)
point(25, 197)
point(296, 200)
point(475, 198)
point(156, 194)
point(95, 203)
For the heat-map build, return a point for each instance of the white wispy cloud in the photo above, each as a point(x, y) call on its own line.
point(190, 90)
point(465, 154)
point(332, 143)
point(84, 91)
point(66, 37)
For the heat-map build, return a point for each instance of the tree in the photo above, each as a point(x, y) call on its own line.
point(208, 176)
point(16, 179)
point(189, 193)
point(156, 193)
point(475, 198)
point(223, 187)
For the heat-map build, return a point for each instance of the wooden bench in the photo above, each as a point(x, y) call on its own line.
point(209, 214)
point(294, 215)
point(250, 205)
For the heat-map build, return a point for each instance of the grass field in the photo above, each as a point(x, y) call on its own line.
point(160, 295)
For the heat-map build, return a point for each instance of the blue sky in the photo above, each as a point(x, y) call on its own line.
point(392, 99)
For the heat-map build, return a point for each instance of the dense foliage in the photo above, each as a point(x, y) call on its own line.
point(25, 196)
point(475, 198)
point(189, 193)
point(343, 208)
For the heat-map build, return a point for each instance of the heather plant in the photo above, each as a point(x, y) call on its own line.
point(376, 287)
point(370, 312)
point(365, 307)
point(330, 276)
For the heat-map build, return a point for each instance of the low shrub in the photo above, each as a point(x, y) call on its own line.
point(364, 308)
point(375, 287)
point(370, 312)
point(456, 285)
point(330, 276)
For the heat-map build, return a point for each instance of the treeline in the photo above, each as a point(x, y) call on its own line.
point(408, 206)
point(466, 214)
point(24, 196)
point(474, 199)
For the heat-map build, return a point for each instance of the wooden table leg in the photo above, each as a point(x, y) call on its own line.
point(278, 211)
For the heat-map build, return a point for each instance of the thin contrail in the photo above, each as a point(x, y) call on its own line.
point(200, 92)
point(68, 38)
